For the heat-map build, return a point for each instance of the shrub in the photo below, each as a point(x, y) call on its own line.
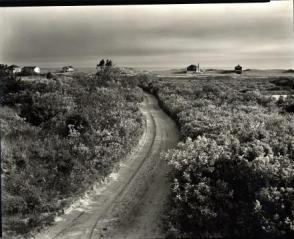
point(233, 176)
point(68, 136)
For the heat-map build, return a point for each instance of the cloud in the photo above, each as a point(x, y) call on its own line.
point(161, 35)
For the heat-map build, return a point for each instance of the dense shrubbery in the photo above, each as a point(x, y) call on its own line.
point(8, 84)
point(285, 82)
point(67, 134)
point(234, 171)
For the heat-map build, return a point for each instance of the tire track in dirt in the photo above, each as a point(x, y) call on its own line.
point(106, 208)
point(127, 184)
point(130, 204)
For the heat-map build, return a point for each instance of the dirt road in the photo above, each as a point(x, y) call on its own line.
point(131, 203)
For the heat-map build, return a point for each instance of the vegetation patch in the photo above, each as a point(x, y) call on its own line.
point(59, 136)
point(233, 172)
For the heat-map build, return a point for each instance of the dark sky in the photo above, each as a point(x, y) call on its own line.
point(254, 35)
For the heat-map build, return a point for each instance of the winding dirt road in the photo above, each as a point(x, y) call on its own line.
point(131, 203)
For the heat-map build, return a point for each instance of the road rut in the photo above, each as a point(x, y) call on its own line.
point(131, 203)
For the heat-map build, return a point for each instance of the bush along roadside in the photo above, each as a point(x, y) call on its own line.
point(233, 172)
point(58, 137)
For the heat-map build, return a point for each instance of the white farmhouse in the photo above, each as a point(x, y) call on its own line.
point(68, 69)
point(14, 69)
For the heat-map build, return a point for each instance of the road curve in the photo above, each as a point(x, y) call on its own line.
point(131, 203)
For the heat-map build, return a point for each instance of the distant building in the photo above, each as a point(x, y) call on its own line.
point(238, 69)
point(68, 69)
point(30, 70)
point(193, 69)
point(14, 69)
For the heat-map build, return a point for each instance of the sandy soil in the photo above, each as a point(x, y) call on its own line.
point(131, 203)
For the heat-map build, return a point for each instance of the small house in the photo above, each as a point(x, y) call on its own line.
point(14, 69)
point(30, 70)
point(193, 69)
point(238, 69)
point(68, 69)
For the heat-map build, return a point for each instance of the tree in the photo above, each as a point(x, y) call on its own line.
point(108, 63)
point(101, 63)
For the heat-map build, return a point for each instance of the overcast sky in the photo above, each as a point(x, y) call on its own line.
point(221, 35)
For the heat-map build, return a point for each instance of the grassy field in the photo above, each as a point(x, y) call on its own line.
point(233, 172)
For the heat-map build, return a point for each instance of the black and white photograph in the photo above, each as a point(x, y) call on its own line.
point(146, 121)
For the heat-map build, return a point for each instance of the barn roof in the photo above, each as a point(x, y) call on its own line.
point(13, 66)
point(192, 67)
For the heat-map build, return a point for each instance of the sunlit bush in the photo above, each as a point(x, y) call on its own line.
point(233, 176)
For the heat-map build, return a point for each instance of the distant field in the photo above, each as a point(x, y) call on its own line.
point(181, 73)
point(77, 69)
point(266, 85)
